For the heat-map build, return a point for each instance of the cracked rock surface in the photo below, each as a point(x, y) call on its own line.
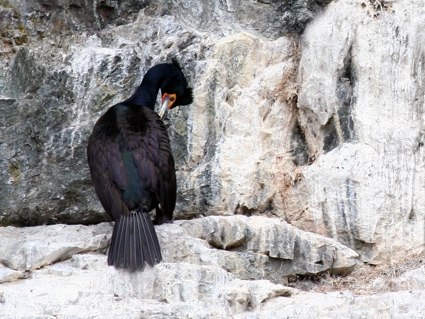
point(309, 112)
point(69, 278)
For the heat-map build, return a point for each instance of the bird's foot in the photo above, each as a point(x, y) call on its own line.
point(160, 221)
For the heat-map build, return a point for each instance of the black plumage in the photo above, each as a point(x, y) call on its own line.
point(132, 166)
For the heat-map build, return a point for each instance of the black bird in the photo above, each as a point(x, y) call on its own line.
point(132, 166)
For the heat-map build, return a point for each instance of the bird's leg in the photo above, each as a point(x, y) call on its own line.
point(160, 218)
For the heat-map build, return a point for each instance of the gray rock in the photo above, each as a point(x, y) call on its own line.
point(65, 62)
point(168, 290)
point(402, 304)
point(219, 232)
point(186, 285)
point(363, 189)
point(34, 247)
point(83, 286)
point(316, 119)
point(7, 274)
point(267, 248)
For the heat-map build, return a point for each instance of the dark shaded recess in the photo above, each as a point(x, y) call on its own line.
point(265, 208)
point(330, 133)
point(57, 17)
point(344, 93)
point(301, 253)
point(420, 142)
point(299, 149)
point(412, 215)
point(121, 12)
point(48, 4)
point(244, 210)
point(296, 14)
point(364, 249)
point(107, 13)
point(26, 217)
point(23, 218)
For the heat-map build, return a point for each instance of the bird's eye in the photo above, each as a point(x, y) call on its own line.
point(172, 98)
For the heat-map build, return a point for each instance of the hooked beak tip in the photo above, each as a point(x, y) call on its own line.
point(164, 106)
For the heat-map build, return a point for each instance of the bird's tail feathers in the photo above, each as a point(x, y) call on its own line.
point(134, 243)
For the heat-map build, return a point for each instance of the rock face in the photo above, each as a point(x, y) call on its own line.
point(308, 112)
point(362, 109)
point(56, 84)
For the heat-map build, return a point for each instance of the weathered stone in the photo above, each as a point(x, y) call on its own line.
point(360, 103)
point(324, 130)
point(44, 175)
point(243, 106)
point(86, 282)
point(224, 233)
point(269, 248)
point(34, 247)
point(7, 274)
point(403, 304)
point(85, 286)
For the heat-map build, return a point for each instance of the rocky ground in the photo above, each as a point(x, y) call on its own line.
point(211, 269)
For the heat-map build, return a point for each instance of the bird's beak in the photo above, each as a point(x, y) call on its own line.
point(167, 102)
point(164, 106)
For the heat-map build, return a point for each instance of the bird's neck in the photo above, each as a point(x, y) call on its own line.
point(147, 92)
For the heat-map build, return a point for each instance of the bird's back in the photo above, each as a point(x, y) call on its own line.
point(129, 152)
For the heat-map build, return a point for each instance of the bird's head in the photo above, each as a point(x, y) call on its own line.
point(174, 89)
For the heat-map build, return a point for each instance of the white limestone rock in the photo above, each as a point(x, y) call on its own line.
point(268, 248)
point(238, 148)
point(402, 304)
point(361, 107)
point(30, 248)
point(173, 290)
point(8, 274)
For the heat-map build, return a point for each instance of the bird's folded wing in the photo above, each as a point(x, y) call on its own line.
point(155, 164)
point(108, 174)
